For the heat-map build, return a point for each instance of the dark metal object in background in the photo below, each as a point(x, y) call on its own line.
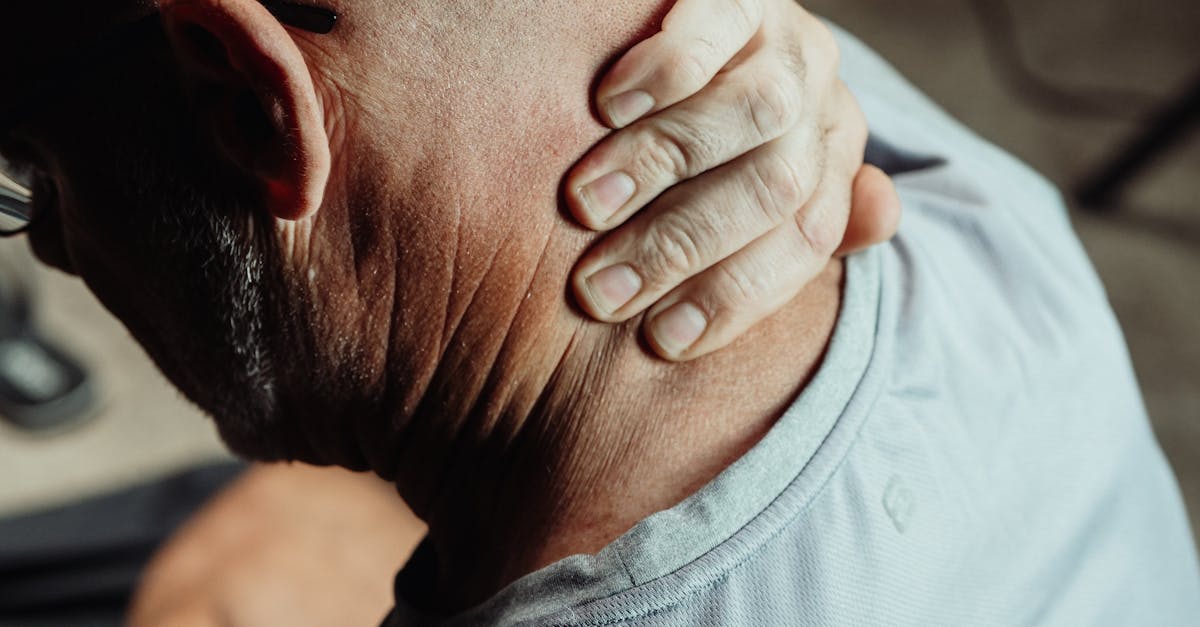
point(42, 389)
point(1167, 125)
point(1164, 131)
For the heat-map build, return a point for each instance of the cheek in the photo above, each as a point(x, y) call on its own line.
point(109, 249)
point(74, 210)
point(113, 278)
point(80, 240)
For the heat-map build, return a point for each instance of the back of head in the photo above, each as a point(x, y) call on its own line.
point(438, 252)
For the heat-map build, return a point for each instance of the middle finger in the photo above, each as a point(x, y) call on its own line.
point(635, 165)
point(695, 225)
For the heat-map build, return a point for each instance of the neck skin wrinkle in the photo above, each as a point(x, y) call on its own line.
point(519, 430)
point(612, 435)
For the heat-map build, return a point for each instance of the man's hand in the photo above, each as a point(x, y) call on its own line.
point(284, 545)
point(737, 174)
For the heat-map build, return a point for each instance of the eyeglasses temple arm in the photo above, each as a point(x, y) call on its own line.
point(312, 19)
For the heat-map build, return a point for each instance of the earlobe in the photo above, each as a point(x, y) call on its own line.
point(252, 88)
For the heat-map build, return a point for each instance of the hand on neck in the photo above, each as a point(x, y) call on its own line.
point(520, 431)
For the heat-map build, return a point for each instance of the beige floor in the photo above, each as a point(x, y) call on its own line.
point(1148, 255)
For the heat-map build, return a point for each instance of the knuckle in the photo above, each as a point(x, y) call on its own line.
point(740, 286)
point(795, 61)
point(773, 104)
point(746, 15)
point(664, 155)
point(779, 188)
point(859, 126)
point(844, 145)
point(829, 44)
point(687, 69)
point(819, 233)
point(818, 56)
point(819, 38)
point(671, 251)
point(858, 116)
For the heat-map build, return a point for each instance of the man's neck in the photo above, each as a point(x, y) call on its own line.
point(612, 436)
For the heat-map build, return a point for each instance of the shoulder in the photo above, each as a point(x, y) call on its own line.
point(980, 227)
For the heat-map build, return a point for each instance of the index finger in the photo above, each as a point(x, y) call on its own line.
point(698, 38)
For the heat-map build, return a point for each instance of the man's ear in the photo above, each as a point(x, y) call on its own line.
point(251, 86)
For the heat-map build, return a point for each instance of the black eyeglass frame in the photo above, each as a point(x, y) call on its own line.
point(15, 200)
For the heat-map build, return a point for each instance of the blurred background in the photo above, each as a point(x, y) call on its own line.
point(1064, 85)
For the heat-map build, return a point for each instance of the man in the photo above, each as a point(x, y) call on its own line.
point(943, 431)
point(51, 81)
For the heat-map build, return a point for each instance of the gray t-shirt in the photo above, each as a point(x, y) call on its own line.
point(973, 451)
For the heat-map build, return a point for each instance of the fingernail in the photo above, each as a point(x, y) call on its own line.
point(678, 328)
point(629, 107)
point(613, 288)
point(605, 196)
